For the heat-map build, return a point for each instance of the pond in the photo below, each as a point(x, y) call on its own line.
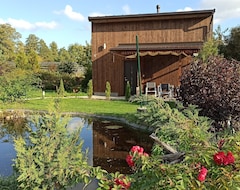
point(107, 141)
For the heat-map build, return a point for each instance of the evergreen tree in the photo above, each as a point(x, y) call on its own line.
point(61, 89)
point(90, 89)
point(108, 90)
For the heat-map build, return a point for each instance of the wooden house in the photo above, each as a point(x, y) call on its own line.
point(167, 43)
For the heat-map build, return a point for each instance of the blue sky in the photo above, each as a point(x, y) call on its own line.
point(66, 21)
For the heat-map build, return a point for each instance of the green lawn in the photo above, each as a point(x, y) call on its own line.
point(50, 93)
point(118, 108)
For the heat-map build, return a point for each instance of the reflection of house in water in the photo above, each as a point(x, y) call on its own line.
point(111, 144)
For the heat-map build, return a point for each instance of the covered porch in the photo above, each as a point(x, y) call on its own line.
point(160, 63)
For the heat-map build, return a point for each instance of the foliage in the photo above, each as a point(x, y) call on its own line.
point(214, 87)
point(8, 183)
point(33, 61)
point(209, 162)
point(50, 81)
point(160, 113)
point(108, 90)
point(64, 55)
point(90, 89)
point(61, 89)
point(54, 51)
point(21, 58)
point(51, 156)
point(44, 52)
point(15, 85)
point(210, 48)
point(128, 91)
point(32, 44)
point(231, 50)
point(68, 67)
point(8, 40)
point(198, 170)
point(87, 77)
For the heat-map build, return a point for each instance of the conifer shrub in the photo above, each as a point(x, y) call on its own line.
point(90, 89)
point(61, 89)
point(128, 91)
point(108, 90)
point(214, 87)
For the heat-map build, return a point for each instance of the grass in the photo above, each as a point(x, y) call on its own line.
point(51, 93)
point(118, 108)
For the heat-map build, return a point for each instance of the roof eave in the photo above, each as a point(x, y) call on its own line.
point(153, 16)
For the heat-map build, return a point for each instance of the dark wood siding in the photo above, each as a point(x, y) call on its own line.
point(110, 67)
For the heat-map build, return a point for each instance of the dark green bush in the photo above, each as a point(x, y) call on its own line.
point(50, 81)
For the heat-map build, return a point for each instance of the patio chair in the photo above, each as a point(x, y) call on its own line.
point(165, 90)
point(151, 88)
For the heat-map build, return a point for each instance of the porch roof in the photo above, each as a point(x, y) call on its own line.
point(159, 46)
point(185, 48)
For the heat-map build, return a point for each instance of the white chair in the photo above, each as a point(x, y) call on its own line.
point(151, 88)
point(165, 90)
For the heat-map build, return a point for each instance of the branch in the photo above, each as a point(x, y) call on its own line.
point(166, 146)
point(174, 156)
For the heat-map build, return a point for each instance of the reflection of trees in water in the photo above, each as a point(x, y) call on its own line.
point(111, 140)
point(13, 127)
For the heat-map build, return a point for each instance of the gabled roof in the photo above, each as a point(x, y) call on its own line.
point(153, 16)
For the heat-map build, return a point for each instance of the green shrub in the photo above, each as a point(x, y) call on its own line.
point(50, 81)
point(61, 89)
point(90, 89)
point(108, 90)
point(51, 156)
point(206, 162)
point(15, 85)
point(128, 91)
point(9, 183)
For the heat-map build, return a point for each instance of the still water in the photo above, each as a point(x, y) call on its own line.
point(108, 142)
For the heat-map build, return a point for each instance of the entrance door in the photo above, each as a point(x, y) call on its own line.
point(130, 74)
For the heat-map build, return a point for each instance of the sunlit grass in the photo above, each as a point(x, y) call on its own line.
point(51, 93)
point(119, 108)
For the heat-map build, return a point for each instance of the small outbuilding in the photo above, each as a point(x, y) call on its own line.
point(167, 43)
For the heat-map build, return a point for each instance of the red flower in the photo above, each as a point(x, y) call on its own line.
point(129, 160)
point(219, 158)
point(229, 158)
point(122, 183)
point(202, 174)
point(137, 149)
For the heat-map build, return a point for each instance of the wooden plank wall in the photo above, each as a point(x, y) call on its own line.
point(107, 67)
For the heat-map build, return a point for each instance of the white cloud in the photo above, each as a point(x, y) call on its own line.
point(25, 25)
point(20, 24)
point(68, 11)
point(46, 25)
point(224, 9)
point(126, 9)
point(185, 9)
